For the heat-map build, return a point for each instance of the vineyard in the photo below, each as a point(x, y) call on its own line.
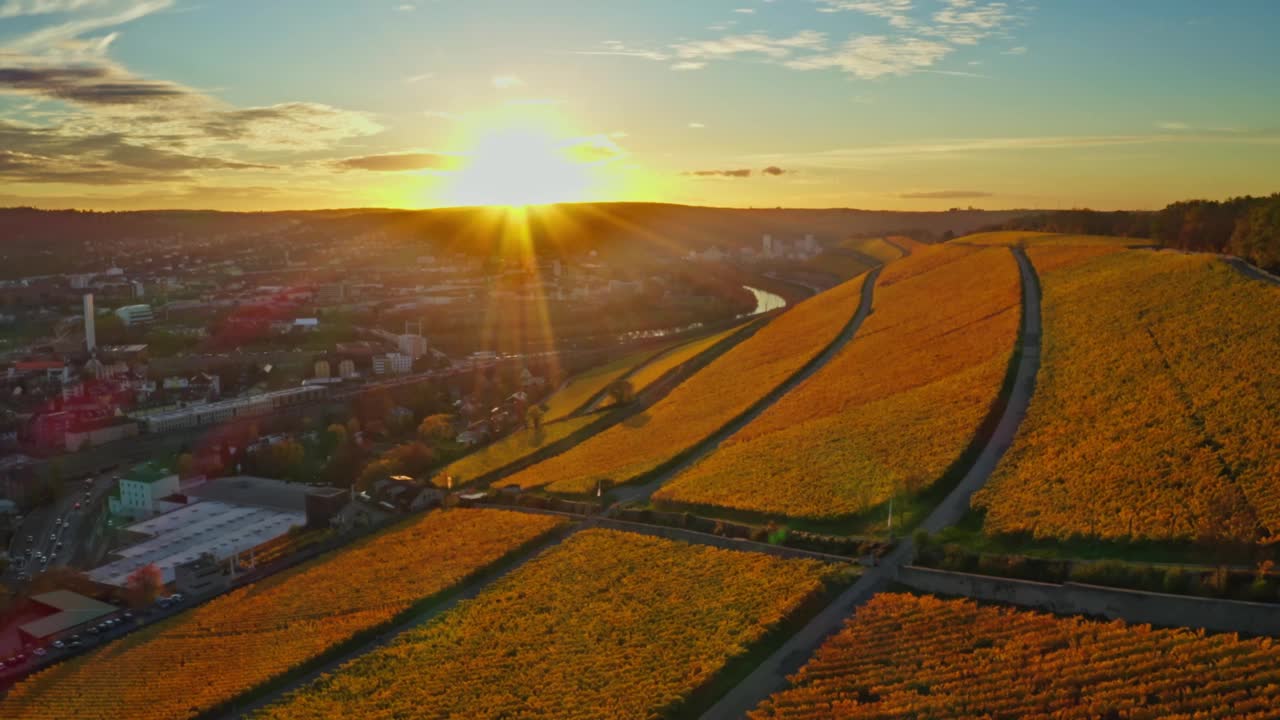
point(607, 624)
point(903, 656)
point(650, 372)
point(217, 651)
point(892, 411)
point(872, 247)
point(586, 385)
point(509, 449)
point(1030, 238)
point(1157, 409)
point(704, 403)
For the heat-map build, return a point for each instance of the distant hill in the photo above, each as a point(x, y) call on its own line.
point(553, 229)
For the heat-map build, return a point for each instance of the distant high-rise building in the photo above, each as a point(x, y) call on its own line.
point(322, 369)
point(90, 334)
point(766, 245)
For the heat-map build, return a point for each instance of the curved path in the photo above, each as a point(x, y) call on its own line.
point(771, 675)
point(1252, 272)
point(634, 493)
point(901, 248)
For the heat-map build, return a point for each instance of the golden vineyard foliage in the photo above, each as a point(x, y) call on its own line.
point(903, 656)
point(1030, 238)
point(582, 387)
point(834, 263)
point(1157, 409)
point(699, 406)
point(606, 625)
point(892, 411)
point(217, 651)
point(510, 449)
point(873, 247)
point(650, 372)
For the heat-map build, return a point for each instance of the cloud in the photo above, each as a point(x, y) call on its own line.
point(419, 77)
point(617, 47)
point(873, 56)
point(688, 65)
point(86, 85)
point(745, 172)
point(506, 82)
point(945, 195)
point(1019, 50)
point(745, 11)
point(897, 12)
point(295, 125)
point(1178, 126)
point(596, 149)
point(16, 8)
point(35, 154)
point(696, 125)
point(398, 162)
point(773, 170)
point(857, 156)
point(753, 43)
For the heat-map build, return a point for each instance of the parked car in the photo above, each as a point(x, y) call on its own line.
point(39, 652)
point(59, 644)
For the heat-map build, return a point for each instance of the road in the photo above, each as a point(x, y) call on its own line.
point(60, 523)
point(771, 675)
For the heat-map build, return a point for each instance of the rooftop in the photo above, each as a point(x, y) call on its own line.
point(147, 473)
point(220, 528)
point(73, 609)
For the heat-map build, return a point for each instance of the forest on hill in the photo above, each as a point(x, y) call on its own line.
point(1245, 226)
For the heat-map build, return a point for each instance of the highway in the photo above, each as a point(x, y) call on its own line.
point(49, 526)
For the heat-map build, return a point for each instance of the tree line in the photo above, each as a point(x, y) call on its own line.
point(1245, 226)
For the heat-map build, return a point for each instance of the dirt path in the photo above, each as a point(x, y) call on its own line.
point(771, 675)
point(640, 493)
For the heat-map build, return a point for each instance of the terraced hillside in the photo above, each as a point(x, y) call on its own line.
point(903, 656)
point(650, 372)
point(1031, 238)
point(1158, 407)
point(888, 415)
point(607, 624)
point(717, 394)
point(236, 642)
point(509, 449)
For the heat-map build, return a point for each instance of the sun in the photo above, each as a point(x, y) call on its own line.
point(523, 156)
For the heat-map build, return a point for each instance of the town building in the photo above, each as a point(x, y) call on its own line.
point(392, 363)
point(65, 612)
point(141, 492)
point(229, 518)
point(133, 315)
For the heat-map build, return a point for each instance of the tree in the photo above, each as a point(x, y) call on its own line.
point(435, 429)
point(186, 466)
point(332, 439)
point(282, 460)
point(144, 585)
point(407, 459)
point(621, 392)
point(533, 418)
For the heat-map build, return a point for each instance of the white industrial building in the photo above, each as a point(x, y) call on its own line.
point(223, 518)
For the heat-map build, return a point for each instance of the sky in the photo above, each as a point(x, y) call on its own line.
point(878, 104)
